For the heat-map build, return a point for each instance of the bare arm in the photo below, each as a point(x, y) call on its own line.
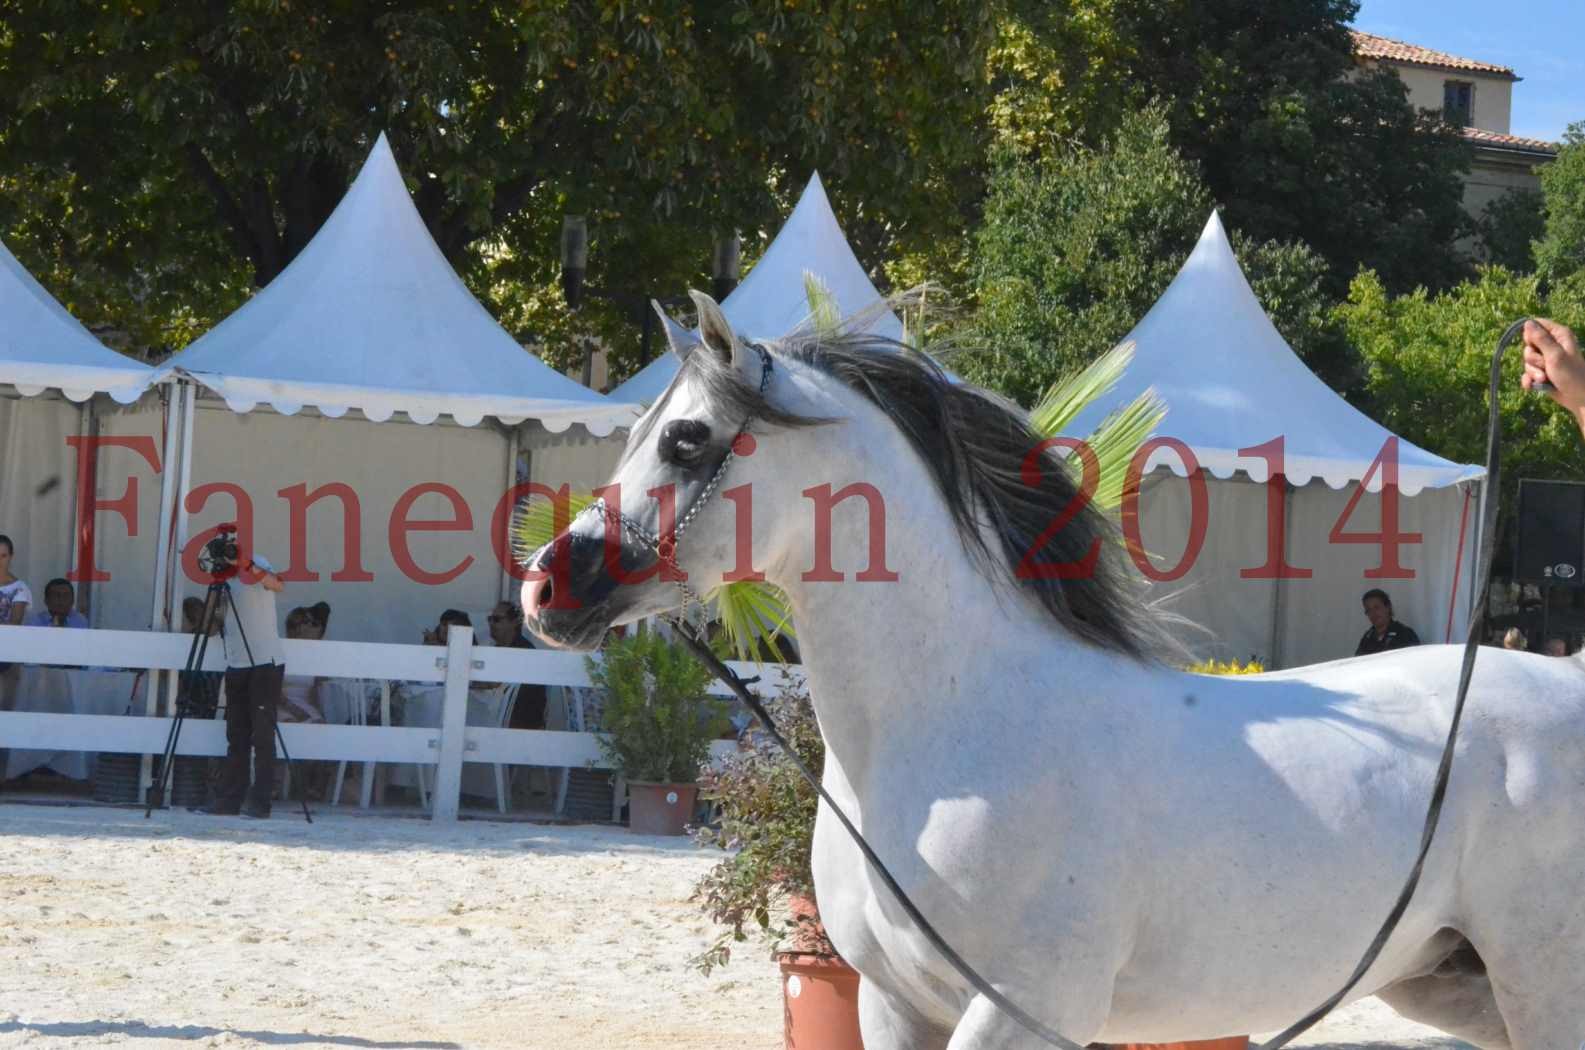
point(1552, 355)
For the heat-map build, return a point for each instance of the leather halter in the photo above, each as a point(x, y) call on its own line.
point(665, 547)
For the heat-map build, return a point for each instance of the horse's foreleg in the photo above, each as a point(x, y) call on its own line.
point(887, 1023)
point(985, 1027)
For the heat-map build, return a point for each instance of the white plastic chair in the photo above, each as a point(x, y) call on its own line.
point(358, 716)
point(504, 721)
point(572, 706)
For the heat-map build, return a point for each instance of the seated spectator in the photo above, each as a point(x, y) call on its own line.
point(506, 631)
point(437, 635)
point(1515, 639)
point(1384, 632)
point(14, 594)
point(193, 611)
point(58, 611)
point(1556, 646)
point(300, 693)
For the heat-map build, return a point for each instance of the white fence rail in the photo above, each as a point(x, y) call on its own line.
point(445, 748)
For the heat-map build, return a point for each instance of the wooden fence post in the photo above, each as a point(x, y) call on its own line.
point(447, 798)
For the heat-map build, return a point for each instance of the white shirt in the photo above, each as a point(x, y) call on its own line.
point(14, 593)
point(256, 642)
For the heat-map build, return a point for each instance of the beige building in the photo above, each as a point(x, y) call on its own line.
point(1476, 96)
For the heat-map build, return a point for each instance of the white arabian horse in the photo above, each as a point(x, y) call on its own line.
point(1126, 851)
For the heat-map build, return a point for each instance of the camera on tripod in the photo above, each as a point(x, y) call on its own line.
point(218, 557)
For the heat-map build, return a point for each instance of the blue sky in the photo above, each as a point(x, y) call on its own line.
point(1542, 41)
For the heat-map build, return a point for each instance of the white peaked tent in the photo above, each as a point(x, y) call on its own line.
point(369, 316)
point(1232, 383)
point(44, 349)
point(772, 301)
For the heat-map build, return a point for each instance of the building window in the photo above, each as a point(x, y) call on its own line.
point(1458, 103)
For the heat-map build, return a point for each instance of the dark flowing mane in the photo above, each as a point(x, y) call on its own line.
point(976, 446)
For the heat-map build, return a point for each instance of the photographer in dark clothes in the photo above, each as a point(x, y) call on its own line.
point(255, 664)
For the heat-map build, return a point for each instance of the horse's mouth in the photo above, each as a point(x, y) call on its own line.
point(580, 630)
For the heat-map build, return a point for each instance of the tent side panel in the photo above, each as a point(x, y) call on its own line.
point(1324, 620)
point(38, 475)
point(1231, 616)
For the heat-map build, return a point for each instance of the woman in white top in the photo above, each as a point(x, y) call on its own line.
point(300, 693)
point(14, 594)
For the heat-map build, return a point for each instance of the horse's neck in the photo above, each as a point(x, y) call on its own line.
point(882, 655)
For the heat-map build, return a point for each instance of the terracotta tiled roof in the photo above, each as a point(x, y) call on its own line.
point(1492, 138)
point(1369, 45)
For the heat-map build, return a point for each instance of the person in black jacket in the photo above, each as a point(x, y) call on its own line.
point(1384, 632)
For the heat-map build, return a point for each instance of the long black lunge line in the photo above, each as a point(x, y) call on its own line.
point(1477, 625)
point(1488, 516)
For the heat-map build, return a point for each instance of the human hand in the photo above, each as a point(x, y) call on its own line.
point(1552, 355)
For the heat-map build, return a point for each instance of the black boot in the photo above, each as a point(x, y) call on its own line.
point(258, 804)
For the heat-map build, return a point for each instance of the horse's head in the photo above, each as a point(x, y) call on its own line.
point(661, 533)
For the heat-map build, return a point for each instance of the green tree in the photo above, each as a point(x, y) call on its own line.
point(1264, 96)
point(1428, 360)
point(1560, 250)
point(1078, 243)
point(241, 124)
point(1508, 228)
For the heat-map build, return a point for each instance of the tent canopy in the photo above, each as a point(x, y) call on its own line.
point(42, 347)
point(771, 301)
point(1231, 381)
point(371, 316)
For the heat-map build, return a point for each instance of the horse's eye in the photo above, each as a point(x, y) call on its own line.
point(683, 441)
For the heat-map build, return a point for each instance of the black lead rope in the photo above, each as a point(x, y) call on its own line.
point(1433, 813)
point(1007, 1006)
point(1477, 625)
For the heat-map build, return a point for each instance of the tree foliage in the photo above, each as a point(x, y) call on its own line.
point(1264, 96)
point(1560, 250)
point(1428, 360)
point(237, 127)
point(1508, 228)
point(1077, 244)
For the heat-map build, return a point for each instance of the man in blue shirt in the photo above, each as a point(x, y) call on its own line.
point(60, 599)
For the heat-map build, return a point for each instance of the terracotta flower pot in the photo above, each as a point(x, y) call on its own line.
point(820, 1002)
point(660, 809)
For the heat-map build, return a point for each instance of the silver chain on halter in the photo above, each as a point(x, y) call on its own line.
point(665, 548)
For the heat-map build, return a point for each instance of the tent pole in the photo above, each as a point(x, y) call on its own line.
point(162, 536)
point(1278, 606)
point(512, 445)
point(189, 419)
point(87, 435)
point(158, 613)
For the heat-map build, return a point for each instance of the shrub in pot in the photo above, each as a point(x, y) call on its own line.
point(658, 719)
point(765, 886)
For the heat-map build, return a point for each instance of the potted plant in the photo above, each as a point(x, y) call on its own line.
point(658, 721)
point(765, 887)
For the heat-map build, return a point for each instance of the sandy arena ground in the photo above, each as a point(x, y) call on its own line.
point(371, 932)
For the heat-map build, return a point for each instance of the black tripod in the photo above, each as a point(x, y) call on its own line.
point(196, 692)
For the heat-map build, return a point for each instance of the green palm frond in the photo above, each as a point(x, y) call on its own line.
point(825, 314)
point(537, 521)
point(753, 615)
point(1115, 441)
point(1120, 434)
point(1073, 394)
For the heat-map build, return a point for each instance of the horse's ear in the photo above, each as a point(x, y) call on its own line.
point(715, 331)
point(678, 338)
